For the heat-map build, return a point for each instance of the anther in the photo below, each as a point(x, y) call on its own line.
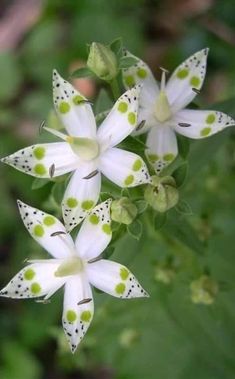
point(184, 124)
point(84, 301)
point(141, 125)
point(91, 175)
point(52, 170)
point(57, 233)
point(41, 126)
point(197, 91)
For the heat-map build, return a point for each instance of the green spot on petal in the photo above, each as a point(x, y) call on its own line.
point(38, 230)
point(72, 202)
point(29, 274)
point(86, 316)
point(129, 180)
point(182, 73)
point(137, 165)
point(132, 118)
point(124, 273)
point(35, 288)
point(210, 118)
point(40, 169)
point(122, 107)
point(49, 220)
point(168, 157)
point(142, 73)
point(71, 316)
point(39, 152)
point(205, 132)
point(130, 80)
point(87, 204)
point(78, 99)
point(153, 158)
point(94, 219)
point(195, 81)
point(120, 288)
point(106, 229)
point(64, 107)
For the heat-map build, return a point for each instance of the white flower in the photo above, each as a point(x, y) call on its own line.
point(163, 108)
point(75, 265)
point(86, 151)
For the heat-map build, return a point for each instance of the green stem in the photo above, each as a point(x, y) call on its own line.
point(115, 88)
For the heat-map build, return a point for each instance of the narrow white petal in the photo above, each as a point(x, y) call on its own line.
point(114, 279)
point(34, 280)
point(190, 74)
point(140, 73)
point(37, 160)
point(81, 194)
point(77, 317)
point(162, 147)
point(121, 121)
point(42, 226)
point(200, 124)
point(95, 233)
point(73, 109)
point(124, 168)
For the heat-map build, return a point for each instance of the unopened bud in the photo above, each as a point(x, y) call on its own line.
point(128, 337)
point(123, 211)
point(164, 274)
point(102, 61)
point(204, 290)
point(162, 193)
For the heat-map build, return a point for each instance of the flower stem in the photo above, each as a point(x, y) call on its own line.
point(115, 88)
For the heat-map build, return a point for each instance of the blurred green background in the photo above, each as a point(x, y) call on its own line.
point(167, 336)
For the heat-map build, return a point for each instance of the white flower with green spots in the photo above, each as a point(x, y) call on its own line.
point(163, 111)
point(85, 150)
point(75, 265)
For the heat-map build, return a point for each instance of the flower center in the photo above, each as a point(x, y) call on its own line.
point(71, 266)
point(162, 110)
point(86, 148)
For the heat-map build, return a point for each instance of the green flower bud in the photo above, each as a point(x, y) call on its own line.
point(204, 290)
point(162, 193)
point(102, 61)
point(123, 211)
point(128, 338)
point(164, 274)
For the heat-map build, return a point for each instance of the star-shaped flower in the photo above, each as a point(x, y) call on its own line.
point(85, 150)
point(163, 111)
point(75, 265)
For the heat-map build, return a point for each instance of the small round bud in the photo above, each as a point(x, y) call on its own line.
point(102, 61)
point(164, 274)
point(162, 193)
point(123, 211)
point(128, 337)
point(204, 290)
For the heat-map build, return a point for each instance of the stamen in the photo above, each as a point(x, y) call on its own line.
point(196, 90)
point(91, 175)
point(41, 126)
point(163, 78)
point(85, 102)
point(84, 301)
point(141, 125)
point(184, 124)
point(43, 301)
point(57, 233)
point(96, 259)
point(52, 170)
point(57, 133)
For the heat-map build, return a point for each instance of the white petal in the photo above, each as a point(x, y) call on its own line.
point(140, 73)
point(121, 121)
point(115, 279)
point(162, 147)
point(37, 160)
point(124, 168)
point(95, 233)
point(77, 317)
point(190, 74)
point(34, 280)
point(42, 226)
point(201, 124)
point(145, 114)
point(81, 195)
point(75, 114)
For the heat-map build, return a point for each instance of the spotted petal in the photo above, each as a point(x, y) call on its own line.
point(200, 124)
point(81, 195)
point(78, 309)
point(73, 109)
point(186, 77)
point(114, 279)
point(123, 168)
point(121, 121)
point(34, 280)
point(95, 233)
point(43, 227)
point(44, 160)
point(162, 147)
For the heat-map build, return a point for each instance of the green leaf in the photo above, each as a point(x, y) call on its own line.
point(184, 208)
point(58, 192)
point(103, 102)
point(141, 206)
point(180, 174)
point(133, 144)
point(82, 72)
point(116, 46)
point(39, 183)
point(126, 62)
point(159, 220)
point(183, 146)
point(10, 77)
point(135, 229)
